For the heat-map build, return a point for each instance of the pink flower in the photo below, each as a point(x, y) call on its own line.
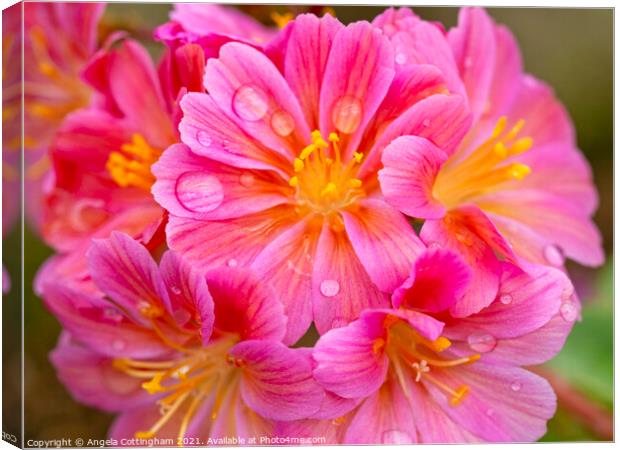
point(418, 374)
point(273, 174)
point(58, 39)
point(176, 353)
point(516, 185)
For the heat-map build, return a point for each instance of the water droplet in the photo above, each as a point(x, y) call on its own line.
point(247, 180)
point(568, 312)
point(250, 103)
point(468, 62)
point(347, 114)
point(118, 345)
point(203, 138)
point(232, 262)
point(282, 123)
point(434, 245)
point(506, 299)
point(481, 342)
point(175, 290)
point(515, 386)
point(199, 191)
point(568, 293)
point(396, 437)
point(426, 123)
point(112, 314)
point(330, 288)
point(338, 322)
point(400, 58)
point(554, 255)
point(182, 315)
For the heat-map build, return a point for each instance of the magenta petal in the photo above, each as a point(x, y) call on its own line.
point(341, 287)
point(348, 363)
point(438, 279)
point(277, 381)
point(411, 165)
point(384, 241)
point(245, 305)
point(187, 290)
point(359, 70)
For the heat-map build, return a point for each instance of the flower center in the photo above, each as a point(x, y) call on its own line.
point(131, 167)
point(323, 183)
point(486, 169)
point(184, 382)
point(413, 355)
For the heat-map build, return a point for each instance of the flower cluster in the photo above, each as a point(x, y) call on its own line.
point(313, 230)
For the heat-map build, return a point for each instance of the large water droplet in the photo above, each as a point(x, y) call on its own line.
point(553, 255)
point(506, 299)
point(199, 191)
point(232, 262)
point(396, 437)
point(118, 345)
point(515, 386)
point(330, 288)
point(282, 123)
point(247, 179)
point(250, 103)
point(203, 138)
point(481, 342)
point(568, 312)
point(347, 114)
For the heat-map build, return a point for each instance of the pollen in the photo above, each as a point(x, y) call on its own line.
point(131, 166)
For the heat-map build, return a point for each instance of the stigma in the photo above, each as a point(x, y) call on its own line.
point(131, 166)
point(487, 169)
point(323, 182)
point(413, 356)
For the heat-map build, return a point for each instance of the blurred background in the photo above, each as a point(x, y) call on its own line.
point(571, 49)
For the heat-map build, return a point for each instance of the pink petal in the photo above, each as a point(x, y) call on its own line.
point(209, 132)
point(248, 88)
point(127, 424)
point(286, 263)
point(195, 187)
point(245, 305)
point(411, 165)
point(348, 363)
point(341, 288)
point(438, 279)
point(187, 290)
point(504, 404)
point(474, 47)
point(306, 57)
point(442, 119)
point(92, 379)
point(386, 417)
point(359, 70)
point(277, 381)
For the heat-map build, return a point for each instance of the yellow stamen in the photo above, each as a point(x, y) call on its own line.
point(281, 20)
point(131, 167)
point(460, 394)
point(294, 181)
point(358, 156)
point(519, 171)
point(307, 151)
point(298, 165)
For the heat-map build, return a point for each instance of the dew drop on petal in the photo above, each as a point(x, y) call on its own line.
point(347, 114)
point(481, 342)
point(203, 138)
point(175, 290)
point(232, 262)
point(506, 299)
point(434, 245)
point(250, 103)
point(282, 123)
point(247, 180)
point(568, 293)
point(400, 58)
point(199, 191)
point(339, 322)
point(112, 314)
point(118, 345)
point(330, 288)
point(515, 386)
point(568, 312)
point(426, 123)
point(396, 437)
point(182, 315)
point(553, 255)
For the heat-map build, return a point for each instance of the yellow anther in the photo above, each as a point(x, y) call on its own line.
point(522, 145)
point(331, 187)
point(500, 150)
point(473, 358)
point(294, 181)
point(153, 386)
point(459, 395)
point(499, 127)
point(47, 69)
point(519, 171)
point(317, 139)
point(358, 156)
point(298, 165)
point(281, 19)
point(355, 182)
point(333, 137)
point(144, 435)
point(307, 151)
point(378, 345)
point(440, 344)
